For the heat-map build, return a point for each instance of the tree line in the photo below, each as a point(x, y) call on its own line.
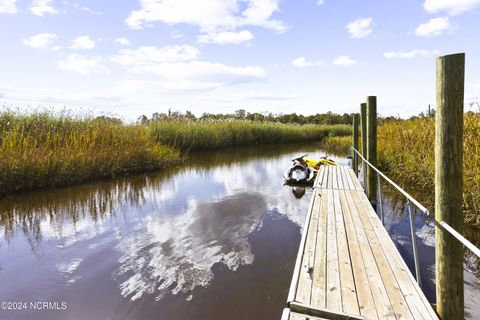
point(242, 115)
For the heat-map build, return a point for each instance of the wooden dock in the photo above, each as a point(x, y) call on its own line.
point(347, 266)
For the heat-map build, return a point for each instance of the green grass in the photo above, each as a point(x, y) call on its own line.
point(44, 150)
point(337, 144)
point(208, 135)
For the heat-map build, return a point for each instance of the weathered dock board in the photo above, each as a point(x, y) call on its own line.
point(347, 266)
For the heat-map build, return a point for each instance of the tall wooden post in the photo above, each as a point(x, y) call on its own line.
point(355, 143)
point(363, 120)
point(449, 184)
point(372, 149)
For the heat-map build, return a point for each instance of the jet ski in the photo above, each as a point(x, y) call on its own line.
point(300, 172)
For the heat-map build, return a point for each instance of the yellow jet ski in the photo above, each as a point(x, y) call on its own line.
point(315, 164)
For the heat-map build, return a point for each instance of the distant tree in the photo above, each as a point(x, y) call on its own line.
point(240, 114)
point(108, 119)
point(189, 115)
point(142, 119)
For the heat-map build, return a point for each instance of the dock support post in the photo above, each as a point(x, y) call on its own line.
point(372, 149)
point(355, 143)
point(449, 184)
point(363, 119)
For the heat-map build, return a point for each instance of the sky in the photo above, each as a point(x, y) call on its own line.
point(132, 57)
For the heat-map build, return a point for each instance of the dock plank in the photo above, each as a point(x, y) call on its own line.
point(319, 284)
point(351, 184)
point(330, 177)
point(349, 296)
point(340, 178)
point(356, 182)
point(334, 297)
point(395, 295)
point(335, 178)
point(305, 276)
point(325, 178)
point(365, 298)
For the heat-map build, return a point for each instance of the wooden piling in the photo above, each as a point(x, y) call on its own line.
point(372, 149)
point(449, 184)
point(355, 143)
point(363, 124)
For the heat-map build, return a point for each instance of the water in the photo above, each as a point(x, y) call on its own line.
point(215, 238)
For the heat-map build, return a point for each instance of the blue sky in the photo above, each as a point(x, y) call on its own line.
point(142, 56)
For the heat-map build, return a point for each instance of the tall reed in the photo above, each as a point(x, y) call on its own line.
point(47, 150)
point(207, 135)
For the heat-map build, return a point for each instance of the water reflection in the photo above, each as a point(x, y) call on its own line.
point(178, 254)
point(298, 192)
point(398, 225)
point(156, 241)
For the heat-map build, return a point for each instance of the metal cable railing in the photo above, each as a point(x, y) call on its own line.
point(410, 201)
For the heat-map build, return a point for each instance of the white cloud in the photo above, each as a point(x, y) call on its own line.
point(453, 7)
point(83, 43)
point(226, 37)
point(178, 68)
point(206, 71)
point(410, 54)
point(301, 62)
point(8, 6)
point(40, 41)
point(149, 56)
point(360, 28)
point(345, 61)
point(320, 2)
point(85, 9)
point(42, 7)
point(434, 27)
point(82, 65)
point(208, 15)
point(123, 41)
point(176, 34)
point(196, 75)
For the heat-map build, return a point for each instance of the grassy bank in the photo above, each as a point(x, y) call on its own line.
point(45, 150)
point(406, 154)
point(208, 135)
point(337, 144)
point(411, 158)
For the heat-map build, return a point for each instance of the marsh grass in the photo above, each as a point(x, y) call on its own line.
point(406, 149)
point(48, 150)
point(209, 135)
point(337, 144)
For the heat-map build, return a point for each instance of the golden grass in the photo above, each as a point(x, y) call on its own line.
point(406, 150)
point(45, 150)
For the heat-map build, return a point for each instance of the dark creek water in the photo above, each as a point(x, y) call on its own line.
point(216, 238)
